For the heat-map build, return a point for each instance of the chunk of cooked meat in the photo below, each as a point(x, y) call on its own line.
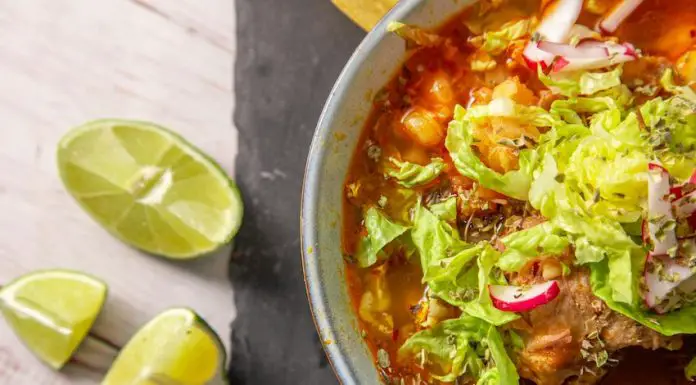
point(621, 332)
point(574, 338)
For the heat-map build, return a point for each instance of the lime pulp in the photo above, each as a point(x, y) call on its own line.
point(177, 347)
point(52, 311)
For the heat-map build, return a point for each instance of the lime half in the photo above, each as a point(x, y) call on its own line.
point(175, 348)
point(150, 188)
point(52, 311)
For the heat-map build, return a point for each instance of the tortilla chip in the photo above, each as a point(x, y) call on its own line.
point(365, 13)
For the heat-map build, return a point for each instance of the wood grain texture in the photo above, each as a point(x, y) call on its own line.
point(63, 62)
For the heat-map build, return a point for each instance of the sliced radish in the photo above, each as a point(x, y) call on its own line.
point(685, 206)
point(555, 27)
point(612, 53)
point(585, 56)
point(583, 50)
point(677, 191)
point(534, 56)
point(660, 218)
point(662, 276)
point(630, 50)
point(656, 166)
point(559, 20)
point(618, 14)
point(559, 63)
point(523, 298)
point(592, 63)
point(685, 288)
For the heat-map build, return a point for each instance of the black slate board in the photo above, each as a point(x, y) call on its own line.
point(289, 54)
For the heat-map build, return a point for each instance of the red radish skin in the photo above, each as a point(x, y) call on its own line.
point(678, 190)
point(617, 15)
point(514, 299)
point(630, 50)
point(534, 57)
point(559, 64)
point(585, 56)
point(644, 232)
point(692, 221)
point(685, 206)
point(657, 166)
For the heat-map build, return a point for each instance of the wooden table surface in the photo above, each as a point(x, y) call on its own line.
point(64, 62)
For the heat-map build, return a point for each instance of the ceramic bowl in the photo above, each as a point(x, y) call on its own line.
point(374, 62)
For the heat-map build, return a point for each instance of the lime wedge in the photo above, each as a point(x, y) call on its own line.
point(150, 188)
point(52, 311)
point(175, 348)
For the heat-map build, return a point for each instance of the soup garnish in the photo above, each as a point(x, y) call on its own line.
point(521, 205)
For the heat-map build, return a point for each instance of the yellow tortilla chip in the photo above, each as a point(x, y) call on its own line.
point(365, 13)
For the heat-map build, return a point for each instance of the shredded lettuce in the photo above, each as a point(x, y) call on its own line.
point(522, 246)
point(456, 271)
point(690, 370)
point(505, 371)
point(609, 183)
point(435, 240)
point(446, 209)
point(450, 344)
point(411, 175)
point(595, 237)
point(572, 107)
point(671, 124)
point(448, 263)
point(585, 83)
point(488, 274)
point(463, 346)
point(592, 177)
point(414, 36)
point(675, 322)
point(481, 61)
point(667, 82)
point(380, 232)
point(459, 139)
point(507, 108)
point(592, 82)
point(495, 42)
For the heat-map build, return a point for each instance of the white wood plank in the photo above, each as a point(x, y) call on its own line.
point(209, 19)
point(63, 62)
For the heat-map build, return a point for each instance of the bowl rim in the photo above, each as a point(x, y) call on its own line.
point(309, 205)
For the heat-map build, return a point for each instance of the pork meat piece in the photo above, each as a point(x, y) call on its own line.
point(575, 339)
